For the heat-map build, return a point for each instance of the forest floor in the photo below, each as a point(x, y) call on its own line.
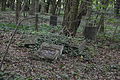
point(104, 65)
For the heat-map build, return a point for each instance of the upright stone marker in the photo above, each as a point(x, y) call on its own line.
point(53, 20)
point(90, 33)
point(50, 51)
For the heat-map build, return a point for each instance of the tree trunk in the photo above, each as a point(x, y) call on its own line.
point(25, 8)
point(72, 16)
point(36, 6)
point(48, 5)
point(53, 7)
point(12, 4)
point(43, 7)
point(3, 7)
point(58, 7)
point(17, 11)
point(117, 8)
point(32, 8)
point(36, 14)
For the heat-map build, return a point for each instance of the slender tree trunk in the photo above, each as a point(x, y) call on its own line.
point(117, 8)
point(17, 11)
point(66, 11)
point(12, 6)
point(32, 8)
point(36, 6)
point(48, 5)
point(43, 7)
point(8, 4)
point(25, 7)
point(53, 7)
point(36, 14)
point(58, 7)
point(3, 7)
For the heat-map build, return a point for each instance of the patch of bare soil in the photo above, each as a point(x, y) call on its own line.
point(104, 66)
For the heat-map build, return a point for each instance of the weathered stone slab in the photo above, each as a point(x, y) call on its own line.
point(90, 33)
point(28, 40)
point(50, 51)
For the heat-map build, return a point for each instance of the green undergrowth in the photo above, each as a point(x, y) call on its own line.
point(71, 45)
point(31, 29)
point(111, 33)
point(51, 35)
point(16, 76)
point(10, 76)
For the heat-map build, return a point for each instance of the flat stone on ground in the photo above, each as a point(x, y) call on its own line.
point(30, 39)
point(50, 51)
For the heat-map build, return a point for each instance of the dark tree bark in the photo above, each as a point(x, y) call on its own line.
point(12, 4)
point(25, 8)
point(58, 7)
point(43, 7)
point(3, 5)
point(8, 4)
point(117, 8)
point(53, 7)
point(17, 11)
point(47, 6)
point(32, 8)
point(74, 10)
point(36, 14)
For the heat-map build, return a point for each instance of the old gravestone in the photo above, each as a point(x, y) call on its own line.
point(53, 20)
point(50, 51)
point(28, 40)
point(90, 33)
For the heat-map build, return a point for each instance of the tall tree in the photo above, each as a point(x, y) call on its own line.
point(47, 6)
point(32, 8)
point(25, 7)
point(53, 7)
point(74, 10)
point(17, 10)
point(58, 6)
point(12, 4)
point(3, 5)
point(117, 7)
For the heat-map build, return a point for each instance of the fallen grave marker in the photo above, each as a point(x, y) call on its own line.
point(50, 51)
point(28, 41)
